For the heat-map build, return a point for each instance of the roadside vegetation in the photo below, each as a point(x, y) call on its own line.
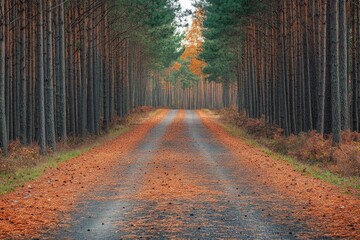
point(310, 152)
point(25, 163)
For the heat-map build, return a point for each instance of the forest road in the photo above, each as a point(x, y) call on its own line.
point(182, 182)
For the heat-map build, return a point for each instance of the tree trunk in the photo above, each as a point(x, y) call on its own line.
point(334, 63)
point(70, 77)
point(49, 83)
point(322, 79)
point(3, 127)
point(22, 104)
point(40, 76)
point(343, 74)
point(60, 79)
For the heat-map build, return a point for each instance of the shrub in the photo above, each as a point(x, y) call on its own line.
point(310, 147)
point(258, 127)
point(19, 155)
point(349, 137)
point(347, 158)
point(315, 148)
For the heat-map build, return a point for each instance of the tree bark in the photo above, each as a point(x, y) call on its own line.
point(23, 92)
point(3, 127)
point(60, 80)
point(40, 76)
point(49, 83)
point(322, 80)
point(334, 63)
point(343, 74)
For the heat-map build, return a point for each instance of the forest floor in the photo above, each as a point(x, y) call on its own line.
point(310, 153)
point(25, 163)
point(178, 175)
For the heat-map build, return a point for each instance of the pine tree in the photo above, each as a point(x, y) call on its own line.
point(3, 127)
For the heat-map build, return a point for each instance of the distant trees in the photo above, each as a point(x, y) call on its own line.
point(70, 67)
point(219, 50)
point(296, 62)
point(187, 85)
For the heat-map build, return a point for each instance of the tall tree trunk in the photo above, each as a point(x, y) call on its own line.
point(3, 127)
point(355, 62)
point(49, 82)
point(90, 87)
point(322, 80)
point(283, 93)
point(308, 104)
point(105, 76)
point(343, 74)
point(40, 76)
point(70, 77)
point(83, 92)
point(334, 63)
point(22, 104)
point(60, 80)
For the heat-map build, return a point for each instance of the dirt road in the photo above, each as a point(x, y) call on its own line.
point(186, 178)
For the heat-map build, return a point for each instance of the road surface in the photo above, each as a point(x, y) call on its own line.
point(180, 182)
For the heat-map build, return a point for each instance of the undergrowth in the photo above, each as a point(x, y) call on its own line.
point(310, 152)
point(24, 163)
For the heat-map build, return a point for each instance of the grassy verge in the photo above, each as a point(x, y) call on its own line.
point(11, 180)
point(349, 185)
point(19, 176)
